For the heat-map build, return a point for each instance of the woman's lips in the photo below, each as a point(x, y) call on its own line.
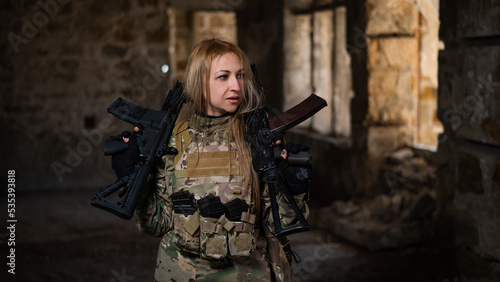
point(233, 99)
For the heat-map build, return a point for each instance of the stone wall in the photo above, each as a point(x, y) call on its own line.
point(469, 88)
point(392, 67)
point(63, 64)
point(382, 42)
point(429, 127)
point(392, 45)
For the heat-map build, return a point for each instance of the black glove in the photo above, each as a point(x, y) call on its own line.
point(123, 162)
point(296, 176)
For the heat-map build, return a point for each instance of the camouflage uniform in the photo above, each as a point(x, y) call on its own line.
point(208, 164)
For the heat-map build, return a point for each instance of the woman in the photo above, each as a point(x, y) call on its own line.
point(207, 202)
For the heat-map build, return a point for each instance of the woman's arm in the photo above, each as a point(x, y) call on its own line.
point(153, 213)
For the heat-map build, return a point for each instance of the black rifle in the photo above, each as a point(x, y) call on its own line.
point(261, 134)
point(156, 129)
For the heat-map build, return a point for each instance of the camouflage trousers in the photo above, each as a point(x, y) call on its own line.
point(172, 265)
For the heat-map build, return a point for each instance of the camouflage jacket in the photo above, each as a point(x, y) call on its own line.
point(195, 248)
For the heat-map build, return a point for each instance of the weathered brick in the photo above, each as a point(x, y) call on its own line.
point(391, 17)
point(382, 82)
point(390, 110)
point(392, 52)
point(383, 140)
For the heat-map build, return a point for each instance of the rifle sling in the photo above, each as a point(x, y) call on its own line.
point(181, 133)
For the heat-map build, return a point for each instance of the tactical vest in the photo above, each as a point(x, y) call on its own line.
point(207, 194)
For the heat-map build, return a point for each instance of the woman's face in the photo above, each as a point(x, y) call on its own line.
point(226, 85)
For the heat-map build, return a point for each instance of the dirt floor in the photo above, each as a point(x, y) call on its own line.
point(60, 237)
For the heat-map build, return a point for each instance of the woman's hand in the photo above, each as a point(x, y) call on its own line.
point(123, 162)
point(284, 153)
point(127, 137)
point(296, 174)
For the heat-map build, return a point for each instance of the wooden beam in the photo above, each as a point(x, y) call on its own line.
point(213, 5)
point(319, 7)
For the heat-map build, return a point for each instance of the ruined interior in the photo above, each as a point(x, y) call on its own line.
point(406, 156)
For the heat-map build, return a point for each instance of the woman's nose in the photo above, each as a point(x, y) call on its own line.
point(234, 84)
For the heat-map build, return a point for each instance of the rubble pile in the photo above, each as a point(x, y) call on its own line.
point(401, 216)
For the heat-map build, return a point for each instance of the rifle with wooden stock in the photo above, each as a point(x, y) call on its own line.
point(262, 132)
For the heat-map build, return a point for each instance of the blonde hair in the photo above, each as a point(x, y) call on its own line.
point(196, 83)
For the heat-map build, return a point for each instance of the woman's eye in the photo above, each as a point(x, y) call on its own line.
point(223, 77)
point(240, 75)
